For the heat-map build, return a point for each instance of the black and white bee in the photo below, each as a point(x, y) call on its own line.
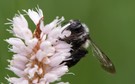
point(80, 41)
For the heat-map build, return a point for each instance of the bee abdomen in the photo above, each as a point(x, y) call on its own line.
point(76, 56)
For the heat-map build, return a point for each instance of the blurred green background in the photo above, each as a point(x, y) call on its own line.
point(112, 26)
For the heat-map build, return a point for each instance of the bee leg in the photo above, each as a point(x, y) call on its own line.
point(76, 56)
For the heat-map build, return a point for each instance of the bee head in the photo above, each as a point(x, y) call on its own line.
point(75, 26)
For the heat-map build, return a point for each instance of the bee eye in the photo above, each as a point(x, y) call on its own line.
point(75, 24)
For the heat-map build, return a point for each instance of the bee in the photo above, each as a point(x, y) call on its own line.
point(81, 40)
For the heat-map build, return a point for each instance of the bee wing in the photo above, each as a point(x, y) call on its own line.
point(106, 63)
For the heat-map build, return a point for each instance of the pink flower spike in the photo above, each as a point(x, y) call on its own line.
point(39, 56)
